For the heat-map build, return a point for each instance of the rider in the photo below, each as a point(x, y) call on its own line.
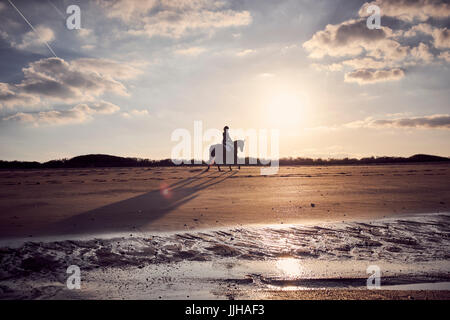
point(226, 141)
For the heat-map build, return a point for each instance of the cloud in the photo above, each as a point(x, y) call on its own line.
point(192, 51)
point(135, 113)
point(32, 40)
point(422, 52)
point(329, 67)
point(245, 52)
point(364, 76)
point(349, 38)
point(445, 56)
point(58, 80)
point(78, 114)
point(109, 68)
point(88, 39)
point(88, 47)
point(365, 63)
point(352, 38)
point(383, 54)
point(104, 107)
point(409, 10)
point(126, 10)
point(437, 121)
point(441, 36)
point(174, 19)
point(10, 97)
point(83, 33)
point(421, 27)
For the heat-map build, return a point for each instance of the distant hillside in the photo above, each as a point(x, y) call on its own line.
point(370, 160)
point(104, 160)
point(97, 160)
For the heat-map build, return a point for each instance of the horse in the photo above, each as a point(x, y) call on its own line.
point(232, 154)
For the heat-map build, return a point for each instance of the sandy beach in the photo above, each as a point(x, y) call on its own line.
point(182, 233)
point(95, 201)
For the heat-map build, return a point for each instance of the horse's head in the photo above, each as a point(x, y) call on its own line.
point(240, 145)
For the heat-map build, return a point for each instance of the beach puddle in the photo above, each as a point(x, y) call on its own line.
point(218, 263)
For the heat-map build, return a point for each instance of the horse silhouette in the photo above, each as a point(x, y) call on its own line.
point(219, 154)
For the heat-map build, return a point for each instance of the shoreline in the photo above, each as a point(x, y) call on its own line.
point(17, 241)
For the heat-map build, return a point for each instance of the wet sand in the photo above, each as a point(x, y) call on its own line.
point(181, 233)
point(358, 295)
point(95, 201)
point(412, 253)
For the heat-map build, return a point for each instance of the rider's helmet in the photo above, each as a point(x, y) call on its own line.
point(225, 128)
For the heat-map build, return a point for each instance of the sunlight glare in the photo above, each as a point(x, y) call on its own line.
point(285, 109)
point(289, 266)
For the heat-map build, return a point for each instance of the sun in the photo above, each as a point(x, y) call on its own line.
point(285, 109)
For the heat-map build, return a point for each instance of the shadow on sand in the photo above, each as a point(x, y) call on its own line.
point(134, 213)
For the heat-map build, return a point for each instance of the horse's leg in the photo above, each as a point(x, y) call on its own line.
point(211, 159)
point(218, 167)
point(230, 169)
point(209, 164)
point(236, 162)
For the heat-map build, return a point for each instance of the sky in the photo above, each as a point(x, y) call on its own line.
point(136, 71)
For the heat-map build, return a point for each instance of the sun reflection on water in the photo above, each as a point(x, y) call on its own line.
point(290, 267)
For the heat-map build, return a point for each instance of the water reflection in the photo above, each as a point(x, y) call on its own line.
point(290, 267)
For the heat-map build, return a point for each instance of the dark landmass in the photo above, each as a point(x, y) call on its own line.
point(103, 160)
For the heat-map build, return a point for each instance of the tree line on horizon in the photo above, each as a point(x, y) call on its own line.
point(101, 160)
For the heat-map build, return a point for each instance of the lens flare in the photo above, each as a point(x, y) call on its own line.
point(165, 190)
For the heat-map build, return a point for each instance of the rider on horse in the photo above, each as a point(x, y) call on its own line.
point(226, 141)
point(225, 153)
